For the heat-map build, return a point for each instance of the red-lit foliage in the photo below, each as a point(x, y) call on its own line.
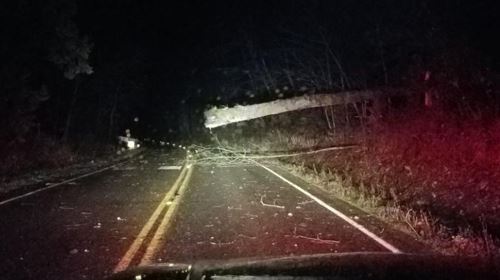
point(439, 152)
point(431, 161)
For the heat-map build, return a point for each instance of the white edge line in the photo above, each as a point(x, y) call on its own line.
point(341, 215)
point(60, 183)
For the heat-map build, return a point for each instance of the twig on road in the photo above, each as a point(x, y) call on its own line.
point(270, 205)
point(305, 202)
point(317, 239)
point(221, 243)
point(246, 236)
point(314, 239)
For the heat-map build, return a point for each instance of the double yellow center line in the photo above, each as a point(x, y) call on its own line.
point(169, 202)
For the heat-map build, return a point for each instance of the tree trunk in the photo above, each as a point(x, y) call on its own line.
point(71, 110)
point(382, 56)
point(112, 115)
point(222, 116)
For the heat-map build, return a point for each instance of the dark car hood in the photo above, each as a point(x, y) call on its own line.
point(360, 265)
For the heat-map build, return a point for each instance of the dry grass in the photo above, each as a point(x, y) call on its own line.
point(418, 223)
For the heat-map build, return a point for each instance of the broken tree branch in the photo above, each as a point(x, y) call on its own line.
point(228, 157)
point(300, 153)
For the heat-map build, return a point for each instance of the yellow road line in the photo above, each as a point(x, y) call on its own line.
point(159, 236)
point(129, 255)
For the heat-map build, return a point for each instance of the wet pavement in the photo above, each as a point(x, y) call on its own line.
point(245, 211)
point(81, 230)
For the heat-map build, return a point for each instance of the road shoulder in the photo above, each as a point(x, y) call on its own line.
point(402, 240)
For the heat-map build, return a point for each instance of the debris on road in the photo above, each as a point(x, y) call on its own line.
point(316, 239)
point(270, 205)
point(170, 167)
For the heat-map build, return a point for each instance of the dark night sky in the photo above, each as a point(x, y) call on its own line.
point(162, 52)
point(177, 27)
point(174, 35)
point(177, 39)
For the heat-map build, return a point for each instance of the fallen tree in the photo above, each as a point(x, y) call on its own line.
point(216, 117)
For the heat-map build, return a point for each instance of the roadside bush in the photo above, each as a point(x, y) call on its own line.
point(41, 152)
point(439, 162)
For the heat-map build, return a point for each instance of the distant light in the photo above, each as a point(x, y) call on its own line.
point(131, 144)
point(136, 119)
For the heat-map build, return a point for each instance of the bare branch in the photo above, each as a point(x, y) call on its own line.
point(270, 205)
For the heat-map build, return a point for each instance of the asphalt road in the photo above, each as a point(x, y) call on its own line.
point(137, 213)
